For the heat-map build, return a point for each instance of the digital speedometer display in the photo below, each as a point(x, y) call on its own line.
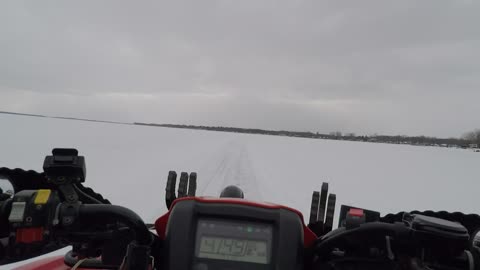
point(233, 249)
point(234, 241)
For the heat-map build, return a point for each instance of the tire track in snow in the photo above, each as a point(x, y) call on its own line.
point(218, 171)
point(233, 167)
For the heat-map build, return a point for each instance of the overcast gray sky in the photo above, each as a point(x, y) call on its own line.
point(395, 67)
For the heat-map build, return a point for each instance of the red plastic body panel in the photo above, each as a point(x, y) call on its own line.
point(161, 223)
point(52, 263)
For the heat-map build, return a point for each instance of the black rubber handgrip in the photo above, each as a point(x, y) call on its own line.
point(104, 213)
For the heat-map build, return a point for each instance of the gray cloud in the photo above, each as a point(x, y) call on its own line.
point(407, 67)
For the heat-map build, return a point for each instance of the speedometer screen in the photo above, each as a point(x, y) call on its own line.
point(233, 249)
point(233, 241)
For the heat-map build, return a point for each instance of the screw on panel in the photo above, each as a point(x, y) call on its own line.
point(67, 221)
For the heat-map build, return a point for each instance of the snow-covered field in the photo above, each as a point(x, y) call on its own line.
point(129, 164)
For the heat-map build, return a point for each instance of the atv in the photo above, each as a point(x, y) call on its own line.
point(53, 209)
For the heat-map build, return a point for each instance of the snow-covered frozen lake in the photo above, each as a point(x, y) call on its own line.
point(129, 164)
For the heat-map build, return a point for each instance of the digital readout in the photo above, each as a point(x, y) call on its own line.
point(222, 248)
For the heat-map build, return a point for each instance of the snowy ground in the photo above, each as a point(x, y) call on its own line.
point(129, 164)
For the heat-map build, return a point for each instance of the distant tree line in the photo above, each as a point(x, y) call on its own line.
point(469, 139)
point(473, 137)
point(464, 141)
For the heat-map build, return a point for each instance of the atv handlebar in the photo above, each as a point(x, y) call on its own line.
point(373, 245)
point(379, 245)
point(109, 214)
point(31, 225)
point(52, 209)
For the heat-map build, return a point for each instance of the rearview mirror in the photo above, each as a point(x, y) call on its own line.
point(476, 240)
point(6, 188)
